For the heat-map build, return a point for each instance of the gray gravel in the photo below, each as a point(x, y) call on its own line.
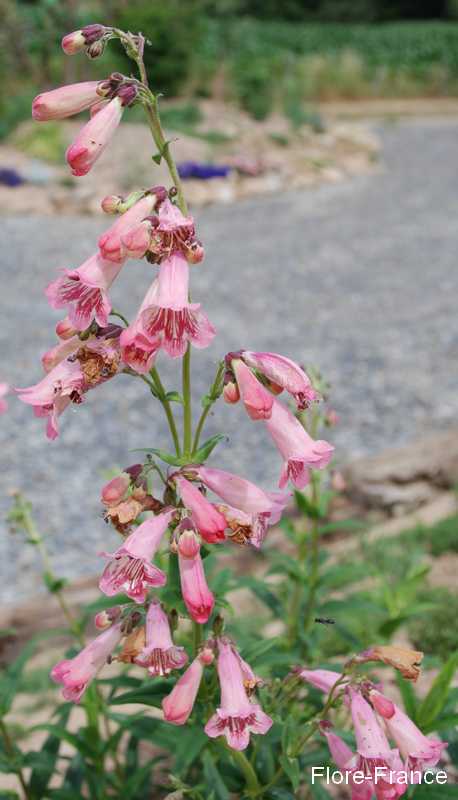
point(359, 278)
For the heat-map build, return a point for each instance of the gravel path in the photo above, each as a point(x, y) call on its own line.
point(359, 278)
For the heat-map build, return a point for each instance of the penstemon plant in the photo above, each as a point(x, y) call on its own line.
point(162, 617)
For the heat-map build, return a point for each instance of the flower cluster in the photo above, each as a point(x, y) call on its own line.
point(376, 719)
point(197, 507)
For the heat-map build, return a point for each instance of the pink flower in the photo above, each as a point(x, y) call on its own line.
point(418, 751)
point(162, 235)
point(76, 673)
point(110, 243)
point(138, 349)
point(160, 656)
point(256, 399)
point(51, 396)
point(346, 760)
point(178, 705)
point(61, 351)
point(65, 101)
point(130, 569)
point(94, 137)
point(237, 717)
point(170, 315)
point(240, 493)
point(83, 292)
point(283, 373)
point(4, 390)
point(197, 597)
point(64, 329)
point(374, 752)
point(298, 449)
point(322, 679)
point(115, 490)
point(208, 520)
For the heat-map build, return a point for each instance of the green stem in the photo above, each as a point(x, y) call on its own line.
point(251, 779)
point(187, 407)
point(314, 559)
point(213, 395)
point(10, 749)
point(196, 637)
point(161, 393)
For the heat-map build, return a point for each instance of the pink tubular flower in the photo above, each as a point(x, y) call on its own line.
point(298, 449)
point(284, 373)
point(178, 705)
point(83, 292)
point(162, 235)
point(4, 390)
point(346, 760)
point(256, 399)
point(110, 243)
point(61, 351)
point(169, 315)
point(51, 396)
point(160, 656)
point(237, 717)
point(374, 752)
point(65, 101)
point(234, 490)
point(94, 137)
point(210, 523)
point(322, 679)
point(130, 569)
point(76, 673)
point(198, 598)
point(418, 751)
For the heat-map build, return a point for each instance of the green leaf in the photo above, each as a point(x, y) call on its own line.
point(174, 397)
point(436, 698)
point(306, 506)
point(213, 777)
point(148, 695)
point(43, 772)
point(52, 583)
point(445, 723)
point(260, 589)
point(174, 461)
point(76, 740)
point(435, 791)
point(204, 451)
point(317, 790)
point(291, 768)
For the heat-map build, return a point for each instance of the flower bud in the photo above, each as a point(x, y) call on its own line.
point(73, 42)
point(126, 93)
point(114, 491)
point(65, 329)
point(111, 204)
point(231, 392)
point(206, 656)
point(188, 544)
point(105, 618)
point(382, 705)
point(95, 50)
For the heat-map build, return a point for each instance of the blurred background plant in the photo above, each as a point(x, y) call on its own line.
point(264, 57)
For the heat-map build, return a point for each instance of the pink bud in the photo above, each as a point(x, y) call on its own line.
point(94, 137)
point(382, 704)
point(73, 42)
point(231, 392)
point(114, 491)
point(111, 204)
point(65, 101)
point(206, 656)
point(104, 619)
point(188, 544)
point(65, 329)
point(137, 241)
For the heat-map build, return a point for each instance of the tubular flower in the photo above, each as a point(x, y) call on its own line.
point(160, 236)
point(240, 493)
point(284, 373)
point(130, 569)
point(237, 717)
point(94, 137)
point(299, 450)
point(417, 750)
point(257, 400)
point(169, 315)
point(138, 349)
point(198, 598)
point(322, 679)
point(160, 656)
point(95, 362)
point(76, 673)
point(65, 101)
point(83, 292)
point(210, 523)
point(110, 243)
point(345, 760)
point(178, 705)
point(374, 752)
point(407, 661)
point(247, 529)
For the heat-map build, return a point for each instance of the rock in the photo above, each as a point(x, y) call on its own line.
point(404, 479)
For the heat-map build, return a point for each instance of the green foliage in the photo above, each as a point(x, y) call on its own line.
point(440, 634)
